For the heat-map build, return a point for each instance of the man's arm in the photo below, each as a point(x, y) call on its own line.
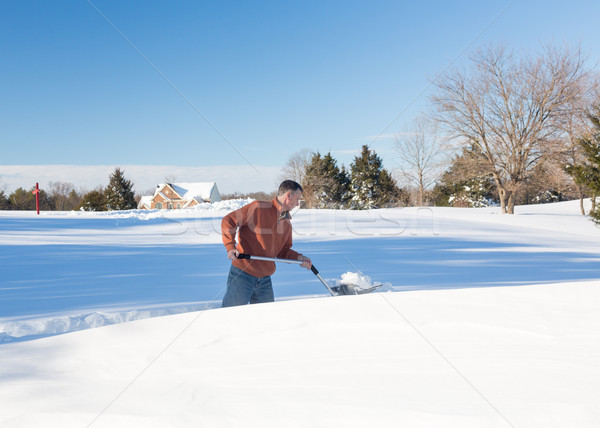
point(229, 230)
point(229, 227)
point(288, 253)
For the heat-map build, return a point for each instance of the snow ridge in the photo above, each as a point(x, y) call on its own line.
point(20, 330)
point(15, 331)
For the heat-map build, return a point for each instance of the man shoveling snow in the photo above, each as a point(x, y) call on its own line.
point(262, 229)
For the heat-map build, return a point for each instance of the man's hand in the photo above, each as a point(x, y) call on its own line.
point(233, 254)
point(306, 263)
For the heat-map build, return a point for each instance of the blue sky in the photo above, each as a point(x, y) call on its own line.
point(241, 84)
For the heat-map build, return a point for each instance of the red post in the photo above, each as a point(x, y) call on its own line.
point(36, 192)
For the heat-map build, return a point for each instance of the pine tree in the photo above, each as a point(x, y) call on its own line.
point(466, 183)
point(588, 174)
point(119, 193)
point(340, 190)
point(371, 184)
point(312, 181)
point(325, 184)
point(73, 200)
point(4, 202)
point(22, 199)
point(93, 201)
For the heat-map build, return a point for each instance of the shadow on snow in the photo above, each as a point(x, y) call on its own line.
point(38, 280)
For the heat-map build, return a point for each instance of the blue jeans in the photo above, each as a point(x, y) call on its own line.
point(243, 288)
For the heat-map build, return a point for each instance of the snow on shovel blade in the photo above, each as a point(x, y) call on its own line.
point(354, 283)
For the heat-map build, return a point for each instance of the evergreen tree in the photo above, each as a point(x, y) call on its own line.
point(466, 183)
point(342, 190)
point(547, 183)
point(372, 185)
point(74, 200)
point(22, 199)
point(93, 201)
point(312, 181)
point(325, 184)
point(4, 202)
point(588, 174)
point(119, 193)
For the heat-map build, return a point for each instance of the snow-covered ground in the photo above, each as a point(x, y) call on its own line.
point(483, 320)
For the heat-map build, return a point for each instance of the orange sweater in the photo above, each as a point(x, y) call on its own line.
point(263, 230)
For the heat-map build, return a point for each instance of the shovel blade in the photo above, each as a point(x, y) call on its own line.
point(350, 289)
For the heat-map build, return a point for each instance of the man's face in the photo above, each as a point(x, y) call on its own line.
point(291, 200)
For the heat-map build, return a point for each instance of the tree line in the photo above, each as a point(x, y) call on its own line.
point(522, 128)
point(508, 128)
point(118, 195)
point(366, 185)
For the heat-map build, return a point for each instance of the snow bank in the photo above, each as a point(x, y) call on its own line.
point(496, 357)
point(19, 330)
point(28, 329)
point(41, 327)
point(216, 208)
point(213, 208)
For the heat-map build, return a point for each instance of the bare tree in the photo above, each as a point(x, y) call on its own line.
point(511, 107)
point(421, 152)
point(59, 194)
point(295, 168)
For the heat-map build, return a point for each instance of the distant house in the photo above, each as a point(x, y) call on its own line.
point(172, 196)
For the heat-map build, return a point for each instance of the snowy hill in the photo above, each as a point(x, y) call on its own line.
point(516, 356)
point(488, 320)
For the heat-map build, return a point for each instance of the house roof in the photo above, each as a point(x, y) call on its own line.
point(198, 191)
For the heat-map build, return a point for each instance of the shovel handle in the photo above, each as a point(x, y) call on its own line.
point(291, 261)
point(269, 259)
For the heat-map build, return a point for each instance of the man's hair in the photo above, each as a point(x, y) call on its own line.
point(288, 185)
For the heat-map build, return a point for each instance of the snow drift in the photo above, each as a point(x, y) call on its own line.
point(501, 357)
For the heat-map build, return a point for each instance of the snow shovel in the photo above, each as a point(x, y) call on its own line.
point(334, 291)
